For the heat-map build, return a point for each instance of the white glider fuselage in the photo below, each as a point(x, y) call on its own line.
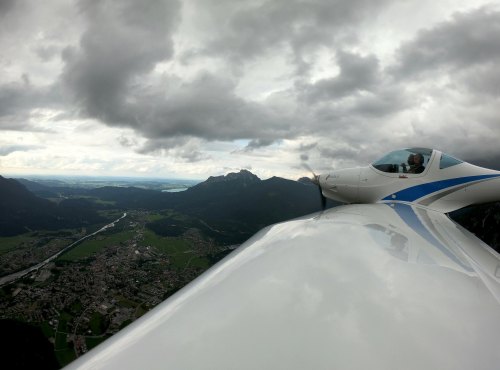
point(441, 189)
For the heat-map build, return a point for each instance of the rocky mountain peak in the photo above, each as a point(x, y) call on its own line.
point(243, 175)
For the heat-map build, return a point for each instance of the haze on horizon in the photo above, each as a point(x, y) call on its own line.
point(194, 88)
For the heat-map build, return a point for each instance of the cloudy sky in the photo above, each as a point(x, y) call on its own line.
point(192, 88)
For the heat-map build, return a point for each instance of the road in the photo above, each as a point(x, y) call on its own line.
point(16, 275)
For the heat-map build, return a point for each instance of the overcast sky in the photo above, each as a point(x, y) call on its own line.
point(193, 88)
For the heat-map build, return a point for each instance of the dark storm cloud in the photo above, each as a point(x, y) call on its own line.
point(127, 142)
point(492, 162)
point(360, 90)
point(113, 74)
point(6, 6)
point(46, 52)
point(17, 100)
point(464, 41)
point(307, 146)
point(335, 153)
point(154, 145)
point(106, 73)
point(248, 29)
point(258, 143)
point(180, 147)
point(357, 73)
point(15, 97)
point(192, 156)
point(483, 79)
point(207, 108)
point(123, 40)
point(384, 102)
point(118, 48)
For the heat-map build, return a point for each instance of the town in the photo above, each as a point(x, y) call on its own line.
point(100, 286)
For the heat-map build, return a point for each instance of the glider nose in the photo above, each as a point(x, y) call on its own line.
point(341, 185)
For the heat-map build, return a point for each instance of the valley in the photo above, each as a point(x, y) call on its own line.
point(110, 278)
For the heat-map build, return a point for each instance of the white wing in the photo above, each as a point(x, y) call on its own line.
point(374, 286)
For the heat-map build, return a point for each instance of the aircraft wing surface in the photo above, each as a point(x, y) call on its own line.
point(378, 286)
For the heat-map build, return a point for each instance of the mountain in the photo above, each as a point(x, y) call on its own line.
point(243, 176)
point(227, 208)
point(235, 206)
point(244, 197)
point(38, 189)
point(21, 211)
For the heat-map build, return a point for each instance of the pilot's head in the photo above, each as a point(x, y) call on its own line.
point(411, 162)
point(418, 158)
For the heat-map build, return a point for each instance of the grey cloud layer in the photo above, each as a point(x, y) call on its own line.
point(104, 77)
point(357, 73)
point(465, 41)
point(110, 75)
point(6, 150)
point(103, 74)
point(247, 29)
point(17, 101)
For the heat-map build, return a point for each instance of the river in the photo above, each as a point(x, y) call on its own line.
point(16, 275)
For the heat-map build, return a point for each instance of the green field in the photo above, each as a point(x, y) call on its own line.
point(93, 341)
point(9, 243)
point(94, 199)
point(97, 323)
point(124, 302)
point(165, 244)
point(76, 307)
point(104, 202)
point(154, 216)
point(200, 262)
point(61, 341)
point(95, 244)
point(179, 249)
point(125, 323)
point(65, 356)
point(110, 214)
point(64, 317)
point(47, 329)
point(140, 310)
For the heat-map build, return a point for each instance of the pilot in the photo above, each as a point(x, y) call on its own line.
point(411, 163)
point(418, 166)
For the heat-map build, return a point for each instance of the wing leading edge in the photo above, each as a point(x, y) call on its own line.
point(380, 286)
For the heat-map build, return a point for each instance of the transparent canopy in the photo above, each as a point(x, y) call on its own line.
point(448, 161)
point(411, 160)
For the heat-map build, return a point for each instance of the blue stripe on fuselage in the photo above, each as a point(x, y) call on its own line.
point(418, 191)
point(408, 215)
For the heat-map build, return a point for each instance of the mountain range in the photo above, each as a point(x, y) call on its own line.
point(22, 211)
point(227, 208)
